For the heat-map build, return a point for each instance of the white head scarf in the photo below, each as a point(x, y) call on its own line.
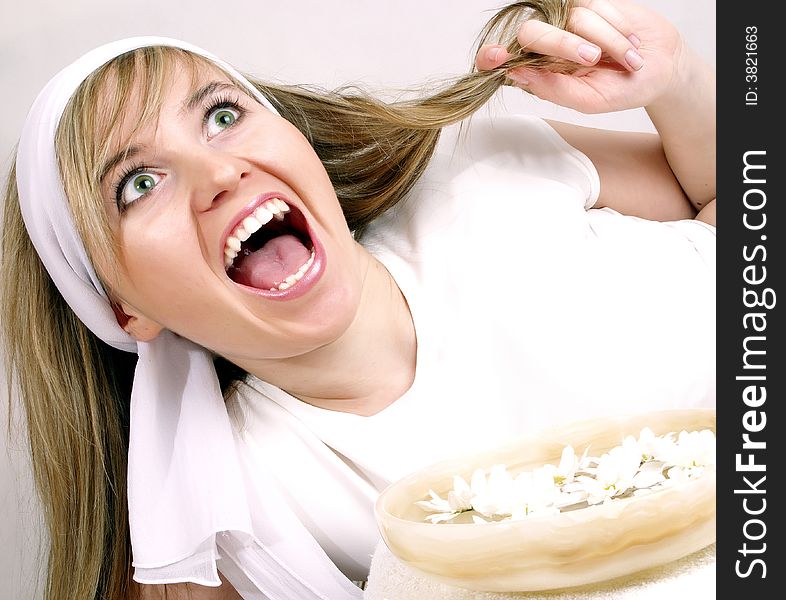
point(189, 501)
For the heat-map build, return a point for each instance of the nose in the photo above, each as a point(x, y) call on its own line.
point(214, 175)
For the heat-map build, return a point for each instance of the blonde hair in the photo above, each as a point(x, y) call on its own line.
point(73, 387)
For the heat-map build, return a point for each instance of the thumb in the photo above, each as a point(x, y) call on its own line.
point(490, 57)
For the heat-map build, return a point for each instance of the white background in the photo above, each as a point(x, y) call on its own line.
point(382, 45)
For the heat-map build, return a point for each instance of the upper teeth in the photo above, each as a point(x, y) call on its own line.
point(273, 208)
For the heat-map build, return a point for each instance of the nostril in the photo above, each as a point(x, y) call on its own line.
point(218, 200)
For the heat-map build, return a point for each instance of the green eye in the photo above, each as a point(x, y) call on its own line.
point(144, 183)
point(220, 118)
point(136, 185)
point(224, 118)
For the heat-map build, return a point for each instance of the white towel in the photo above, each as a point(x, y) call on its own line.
point(692, 577)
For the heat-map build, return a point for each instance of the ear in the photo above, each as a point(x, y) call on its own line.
point(135, 324)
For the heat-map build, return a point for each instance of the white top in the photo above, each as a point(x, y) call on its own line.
point(530, 309)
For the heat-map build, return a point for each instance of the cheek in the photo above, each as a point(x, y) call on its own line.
point(291, 158)
point(161, 258)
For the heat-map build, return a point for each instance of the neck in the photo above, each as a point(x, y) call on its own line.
point(370, 366)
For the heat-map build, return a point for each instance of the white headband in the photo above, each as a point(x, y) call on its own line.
point(188, 492)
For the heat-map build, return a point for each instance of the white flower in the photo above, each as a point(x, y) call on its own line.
point(441, 516)
point(495, 495)
point(635, 467)
point(618, 466)
point(654, 446)
point(566, 470)
point(571, 493)
point(678, 474)
point(459, 500)
point(595, 490)
point(436, 504)
point(649, 474)
point(534, 492)
point(694, 449)
point(460, 497)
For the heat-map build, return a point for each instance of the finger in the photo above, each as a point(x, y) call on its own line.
point(555, 87)
point(542, 38)
point(522, 76)
point(613, 16)
point(490, 57)
point(593, 27)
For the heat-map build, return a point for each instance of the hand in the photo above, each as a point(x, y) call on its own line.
point(627, 57)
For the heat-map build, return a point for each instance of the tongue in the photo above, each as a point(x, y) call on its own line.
point(272, 263)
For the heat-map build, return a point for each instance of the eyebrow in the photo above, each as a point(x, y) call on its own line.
point(121, 156)
point(194, 99)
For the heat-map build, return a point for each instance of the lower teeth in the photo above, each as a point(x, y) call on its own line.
point(295, 277)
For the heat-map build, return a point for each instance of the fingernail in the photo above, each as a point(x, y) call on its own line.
point(494, 54)
point(634, 59)
point(634, 39)
point(588, 52)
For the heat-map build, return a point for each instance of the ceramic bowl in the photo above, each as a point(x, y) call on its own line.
point(568, 549)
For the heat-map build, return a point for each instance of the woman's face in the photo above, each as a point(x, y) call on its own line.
point(229, 229)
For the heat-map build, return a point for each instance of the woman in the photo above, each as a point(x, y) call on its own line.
point(370, 305)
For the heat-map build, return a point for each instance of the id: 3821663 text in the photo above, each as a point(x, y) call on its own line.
point(752, 65)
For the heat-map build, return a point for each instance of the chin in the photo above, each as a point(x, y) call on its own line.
point(329, 317)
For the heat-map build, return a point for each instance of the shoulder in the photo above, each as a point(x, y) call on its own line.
point(524, 135)
point(633, 172)
point(520, 145)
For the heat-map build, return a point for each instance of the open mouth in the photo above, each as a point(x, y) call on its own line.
point(269, 249)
